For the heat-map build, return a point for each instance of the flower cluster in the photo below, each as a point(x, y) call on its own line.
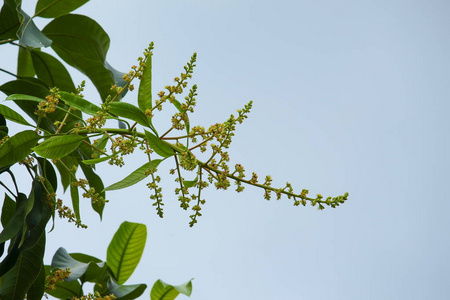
point(121, 146)
point(64, 212)
point(49, 104)
point(89, 192)
point(178, 88)
point(95, 296)
point(57, 276)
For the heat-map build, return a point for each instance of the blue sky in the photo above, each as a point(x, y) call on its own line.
point(349, 96)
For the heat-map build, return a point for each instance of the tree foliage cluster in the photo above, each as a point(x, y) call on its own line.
point(65, 137)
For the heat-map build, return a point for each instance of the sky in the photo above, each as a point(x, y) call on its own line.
point(348, 96)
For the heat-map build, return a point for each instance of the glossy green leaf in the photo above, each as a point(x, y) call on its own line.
point(24, 64)
point(30, 107)
point(20, 97)
point(145, 87)
point(52, 71)
point(17, 219)
point(11, 258)
point(17, 147)
point(36, 290)
point(80, 103)
point(28, 86)
point(46, 169)
point(39, 215)
point(164, 291)
point(129, 111)
point(74, 195)
point(12, 115)
point(27, 268)
point(9, 20)
point(97, 160)
point(95, 272)
point(62, 260)
point(8, 210)
point(85, 258)
point(64, 289)
point(82, 43)
point(190, 183)
point(125, 250)
point(58, 146)
point(136, 176)
point(34, 216)
point(162, 148)
point(30, 35)
point(56, 8)
point(24, 86)
point(125, 292)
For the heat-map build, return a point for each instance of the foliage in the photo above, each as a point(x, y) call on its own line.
point(71, 271)
point(66, 137)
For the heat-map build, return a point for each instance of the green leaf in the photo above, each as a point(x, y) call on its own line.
point(39, 215)
point(29, 107)
point(136, 176)
point(97, 160)
point(80, 103)
point(16, 221)
point(190, 183)
point(56, 8)
point(26, 85)
point(24, 65)
point(30, 35)
point(125, 292)
point(36, 291)
point(17, 147)
point(125, 250)
point(162, 148)
point(82, 43)
point(62, 260)
point(47, 170)
point(85, 258)
point(64, 289)
point(164, 291)
point(52, 71)
point(58, 146)
point(8, 210)
point(95, 182)
point(32, 88)
point(19, 279)
point(12, 115)
point(9, 20)
point(75, 200)
point(129, 111)
point(145, 86)
point(96, 270)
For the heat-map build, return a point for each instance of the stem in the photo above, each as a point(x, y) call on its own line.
point(166, 132)
point(62, 123)
point(7, 72)
point(205, 141)
point(179, 176)
point(207, 167)
point(2, 184)
point(97, 149)
point(13, 179)
point(7, 41)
